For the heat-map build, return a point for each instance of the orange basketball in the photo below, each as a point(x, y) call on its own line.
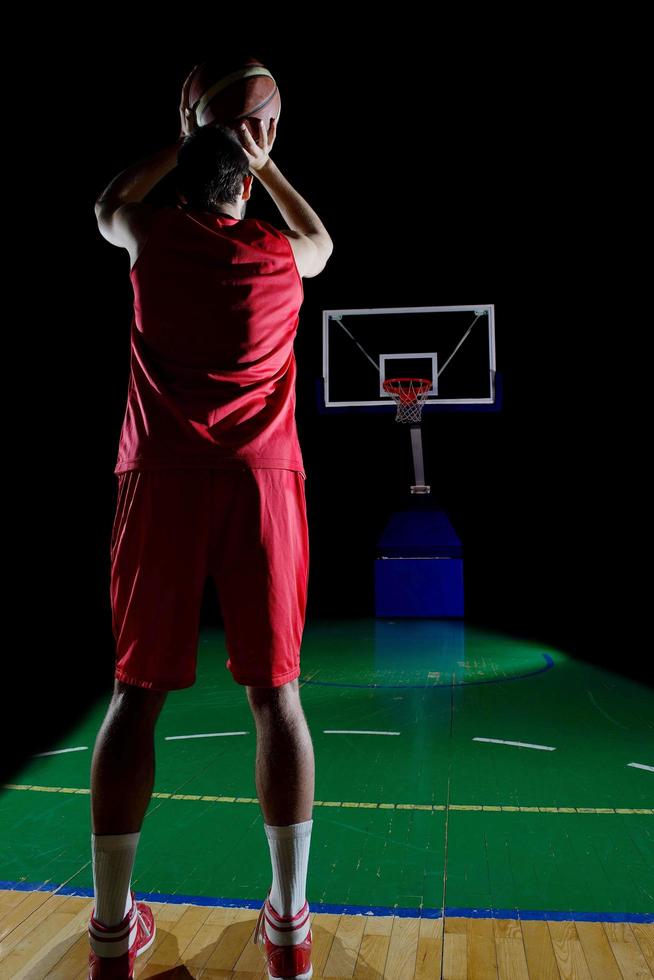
point(232, 89)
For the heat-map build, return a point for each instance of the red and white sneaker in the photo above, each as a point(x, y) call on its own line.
point(286, 941)
point(132, 937)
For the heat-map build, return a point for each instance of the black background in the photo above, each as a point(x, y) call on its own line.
point(450, 166)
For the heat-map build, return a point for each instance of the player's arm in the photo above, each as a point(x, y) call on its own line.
point(123, 217)
point(309, 238)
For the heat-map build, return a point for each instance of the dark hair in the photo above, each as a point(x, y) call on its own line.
point(211, 165)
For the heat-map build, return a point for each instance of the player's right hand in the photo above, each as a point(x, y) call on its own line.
point(258, 153)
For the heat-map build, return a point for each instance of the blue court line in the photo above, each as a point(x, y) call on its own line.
point(319, 907)
point(549, 663)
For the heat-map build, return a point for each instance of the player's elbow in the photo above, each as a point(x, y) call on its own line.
point(321, 259)
point(102, 212)
point(106, 206)
point(324, 247)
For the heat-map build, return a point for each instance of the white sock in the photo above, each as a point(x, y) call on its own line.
point(113, 863)
point(289, 853)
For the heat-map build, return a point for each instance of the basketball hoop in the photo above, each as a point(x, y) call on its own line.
point(409, 395)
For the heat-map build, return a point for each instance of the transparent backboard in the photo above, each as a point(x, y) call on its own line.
point(451, 346)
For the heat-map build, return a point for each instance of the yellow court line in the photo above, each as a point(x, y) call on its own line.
point(367, 806)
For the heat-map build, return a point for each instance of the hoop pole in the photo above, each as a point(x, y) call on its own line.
point(418, 462)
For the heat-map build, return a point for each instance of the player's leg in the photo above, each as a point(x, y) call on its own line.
point(285, 780)
point(158, 569)
point(261, 560)
point(122, 768)
point(285, 766)
point(122, 780)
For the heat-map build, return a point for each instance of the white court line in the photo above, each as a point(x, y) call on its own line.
point(170, 738)
point(639, 765)
point(345, 731)
point(522, 745)
point(78, 748)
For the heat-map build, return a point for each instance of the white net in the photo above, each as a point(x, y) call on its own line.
point(409, 395)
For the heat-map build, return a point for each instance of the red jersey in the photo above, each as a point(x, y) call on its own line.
point(212, 366)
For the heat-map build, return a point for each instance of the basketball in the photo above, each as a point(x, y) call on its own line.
point(232, 90)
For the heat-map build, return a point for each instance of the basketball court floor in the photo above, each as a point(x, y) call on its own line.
point(484, 808)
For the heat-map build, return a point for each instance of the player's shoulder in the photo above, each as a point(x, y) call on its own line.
point(259, 225)
point(262, 233)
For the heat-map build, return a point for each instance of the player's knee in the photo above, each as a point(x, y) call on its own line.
point(282, 695)
point(143, 699)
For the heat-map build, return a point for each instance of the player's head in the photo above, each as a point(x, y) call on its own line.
point(213, 170)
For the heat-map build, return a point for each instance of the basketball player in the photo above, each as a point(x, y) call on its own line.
point(210, 482)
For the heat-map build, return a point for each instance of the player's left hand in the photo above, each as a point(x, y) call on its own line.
point(187, 121)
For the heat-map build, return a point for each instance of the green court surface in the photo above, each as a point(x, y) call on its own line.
point(425, 804)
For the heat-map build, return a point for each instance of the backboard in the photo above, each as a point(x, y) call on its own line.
point(452, 346)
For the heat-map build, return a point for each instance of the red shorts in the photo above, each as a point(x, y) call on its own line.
point(173, 528)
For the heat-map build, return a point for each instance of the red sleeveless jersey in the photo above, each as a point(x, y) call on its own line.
point(212, 366)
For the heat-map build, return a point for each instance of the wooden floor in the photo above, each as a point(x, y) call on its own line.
point(45, 935)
